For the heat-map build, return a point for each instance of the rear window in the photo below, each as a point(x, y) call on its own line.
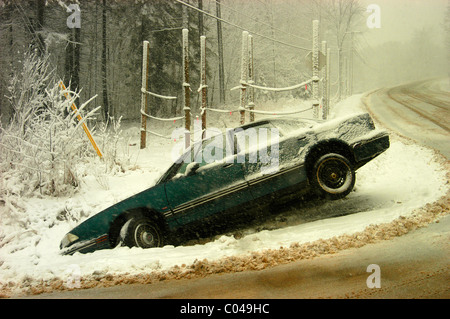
point(289, 126)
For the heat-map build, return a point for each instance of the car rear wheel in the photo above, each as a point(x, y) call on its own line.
point(333, 176)
point(141, 232)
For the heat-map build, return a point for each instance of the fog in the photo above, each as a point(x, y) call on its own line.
point(412, 43)
point(400, 18)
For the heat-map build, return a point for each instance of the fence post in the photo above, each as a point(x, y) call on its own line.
point(251, 79)
point(244, 75)
point(203, 86)
point(345, 68)
point(144, 96)
point(187, 90)
point(324, 83)
point(315, 69)
point(349, 77)
point(328, 80)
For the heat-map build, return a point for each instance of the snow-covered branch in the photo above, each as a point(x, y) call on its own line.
point(42, 144)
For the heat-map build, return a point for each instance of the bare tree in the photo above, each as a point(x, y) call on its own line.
point(340, 19)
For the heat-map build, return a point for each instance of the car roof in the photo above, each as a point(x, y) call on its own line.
point(278, 120)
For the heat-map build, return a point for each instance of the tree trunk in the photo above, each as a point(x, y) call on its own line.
point(220, 45)
point(200, 18)
point(104, 78)
point(72, 61)
point(40, 5)
point(76, 62)
point(69, 60)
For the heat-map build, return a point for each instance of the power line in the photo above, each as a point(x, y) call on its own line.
point(239, 27)
point(261, 22)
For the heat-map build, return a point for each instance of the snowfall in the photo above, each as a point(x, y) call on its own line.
point(397, 184)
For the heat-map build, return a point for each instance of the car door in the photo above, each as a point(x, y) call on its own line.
point(218, 184)
point(276, 169)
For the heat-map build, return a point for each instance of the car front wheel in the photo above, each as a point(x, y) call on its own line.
point(141, 232)
point(333, 176)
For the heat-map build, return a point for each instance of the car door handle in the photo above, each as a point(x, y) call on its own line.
point(227, 165)
point(301, 138)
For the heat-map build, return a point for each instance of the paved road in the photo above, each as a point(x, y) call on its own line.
point(415, 265)
point(419, 111)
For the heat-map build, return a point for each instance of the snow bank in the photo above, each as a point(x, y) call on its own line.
point(395, 185)
point(443, 85)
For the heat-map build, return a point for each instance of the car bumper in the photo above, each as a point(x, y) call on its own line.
point(366, 150)
point(87, 246)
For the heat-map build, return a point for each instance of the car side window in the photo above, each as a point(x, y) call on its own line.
point(254, 140)
point(212, 150)
point(249, 140)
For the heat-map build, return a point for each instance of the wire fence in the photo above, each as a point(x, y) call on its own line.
point(246, 87)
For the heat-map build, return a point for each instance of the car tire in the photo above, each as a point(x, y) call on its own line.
point(141, 232)
point(333, 176)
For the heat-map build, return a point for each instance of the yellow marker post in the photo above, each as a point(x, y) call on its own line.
point(85, 128)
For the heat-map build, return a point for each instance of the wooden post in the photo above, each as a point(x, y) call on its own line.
point(348, 77)
point(144, 95)
point(345, 70)
point(251, 79)
point(328, 80)
point(244, 76)
point(324, 83)
point(187, 90)
point(315, 69)
point(204, 87)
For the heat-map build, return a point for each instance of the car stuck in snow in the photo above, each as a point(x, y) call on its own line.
point(249, 166)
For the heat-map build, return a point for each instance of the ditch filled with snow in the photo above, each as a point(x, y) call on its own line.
point(404, 188)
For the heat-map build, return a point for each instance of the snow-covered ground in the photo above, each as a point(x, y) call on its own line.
point(404, 178)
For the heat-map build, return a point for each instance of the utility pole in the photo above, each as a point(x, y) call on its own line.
point(220, 48)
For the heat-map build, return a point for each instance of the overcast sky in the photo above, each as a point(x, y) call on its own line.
point(399, 19)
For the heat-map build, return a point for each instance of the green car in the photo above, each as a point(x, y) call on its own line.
point(250, 166)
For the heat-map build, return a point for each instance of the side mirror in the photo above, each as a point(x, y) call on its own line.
point(191, 168)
